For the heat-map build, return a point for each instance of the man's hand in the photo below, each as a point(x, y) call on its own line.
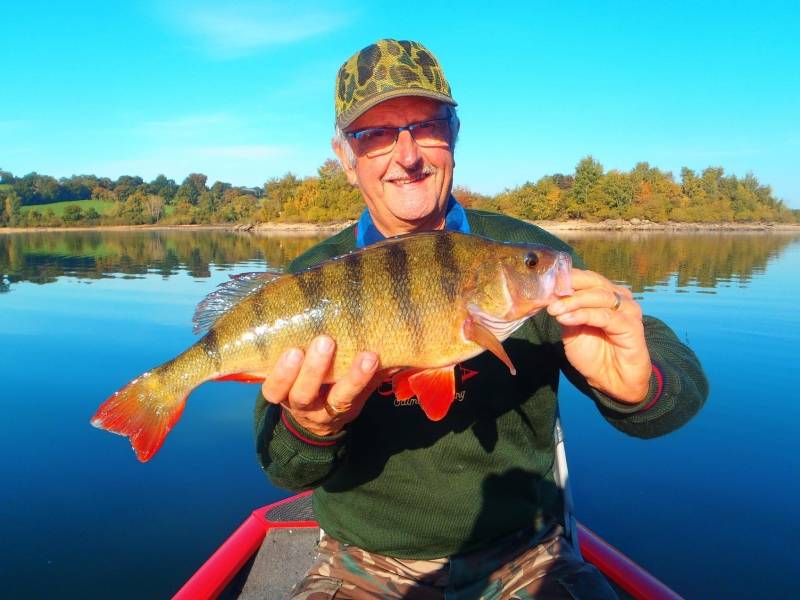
point(297, 384)
point(604, 336)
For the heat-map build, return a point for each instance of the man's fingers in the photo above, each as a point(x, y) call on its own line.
point(582, 279)
point(613, 299)
point(343, 393)
point(277, 385)
point(318, 359)
point(613, 324)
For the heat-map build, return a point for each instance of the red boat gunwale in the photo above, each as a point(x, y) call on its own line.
point(219, 570)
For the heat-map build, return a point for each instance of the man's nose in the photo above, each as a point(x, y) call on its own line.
point(406, 151)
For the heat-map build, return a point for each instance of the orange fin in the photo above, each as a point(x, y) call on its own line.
point(435, 389)
point(486, 339)
point(241, 378)
point(401, 386)
point(144, 411)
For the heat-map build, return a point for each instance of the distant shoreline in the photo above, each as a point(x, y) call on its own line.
point(311, 228)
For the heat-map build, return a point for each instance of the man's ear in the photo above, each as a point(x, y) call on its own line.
point(344, 160)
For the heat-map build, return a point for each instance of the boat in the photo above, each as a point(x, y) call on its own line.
point(275, 545)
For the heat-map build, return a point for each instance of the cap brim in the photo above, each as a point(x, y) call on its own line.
point(346, 119)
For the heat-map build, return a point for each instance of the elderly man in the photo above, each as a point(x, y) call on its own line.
point(466, 507)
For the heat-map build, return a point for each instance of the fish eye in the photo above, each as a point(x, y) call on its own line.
point(531, 260)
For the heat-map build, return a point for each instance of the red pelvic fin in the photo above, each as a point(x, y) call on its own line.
point(144, 411)
point(435, 389)
point(486, 339)
point(401, 384)
point(241, 378)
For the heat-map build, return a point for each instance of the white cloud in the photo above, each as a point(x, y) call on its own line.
point(237, 29)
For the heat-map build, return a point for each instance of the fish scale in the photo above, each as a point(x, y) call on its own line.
point(423, 302)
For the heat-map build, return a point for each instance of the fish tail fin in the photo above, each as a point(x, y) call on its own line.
point(144, 411)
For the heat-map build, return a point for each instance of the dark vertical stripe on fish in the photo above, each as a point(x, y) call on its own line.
point(354, 288)
point(444, 254)
point(259, 317)
point(400, 281)
point(210, 346)
point(310, 284)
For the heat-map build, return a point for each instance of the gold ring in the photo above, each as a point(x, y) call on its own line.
point(330, 410)
point(617, 301)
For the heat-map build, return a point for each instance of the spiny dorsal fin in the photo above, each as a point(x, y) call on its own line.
point(228, 294)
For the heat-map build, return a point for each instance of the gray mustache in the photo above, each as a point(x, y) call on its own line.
point(404, 174)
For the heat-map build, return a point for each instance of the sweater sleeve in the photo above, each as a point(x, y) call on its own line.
point(678, 387)
point(292, 457)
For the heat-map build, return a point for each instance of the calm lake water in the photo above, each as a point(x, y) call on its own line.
point(710, 509)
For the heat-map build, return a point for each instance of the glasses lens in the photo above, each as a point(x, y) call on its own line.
point(375, 140)
point(380, 140)
point(432, 133)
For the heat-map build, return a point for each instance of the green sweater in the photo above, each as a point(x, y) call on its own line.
point(395, 483)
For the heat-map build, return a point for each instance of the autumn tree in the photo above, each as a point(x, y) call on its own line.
point(9, 209)
point(587, 174)
point(153, 207)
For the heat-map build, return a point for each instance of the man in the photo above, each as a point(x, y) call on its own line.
point(466, 507)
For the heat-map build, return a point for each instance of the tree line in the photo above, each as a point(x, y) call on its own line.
point(641, 261)
point(589, 193)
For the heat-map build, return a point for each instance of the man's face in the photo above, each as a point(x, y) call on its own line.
point(406, 189)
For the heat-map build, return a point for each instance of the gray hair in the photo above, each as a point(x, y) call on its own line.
point(340, 138)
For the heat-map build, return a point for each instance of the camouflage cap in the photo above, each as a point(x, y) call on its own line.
point(387, 69)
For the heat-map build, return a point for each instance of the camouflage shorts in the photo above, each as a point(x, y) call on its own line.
point(522, 567)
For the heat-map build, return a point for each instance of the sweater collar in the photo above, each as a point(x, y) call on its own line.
point(367, 233)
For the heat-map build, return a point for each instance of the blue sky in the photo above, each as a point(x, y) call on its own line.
point(243, 91)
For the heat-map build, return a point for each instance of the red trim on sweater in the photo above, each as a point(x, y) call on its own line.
point(296, 433)
point(660, 380)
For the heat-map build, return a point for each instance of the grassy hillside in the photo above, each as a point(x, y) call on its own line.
point(58, 207)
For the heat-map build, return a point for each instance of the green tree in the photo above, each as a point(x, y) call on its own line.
point(587, 174)
point(278, 192)
point(72, 213)
point(161, 186)
point(191, 188)
point(91, 214)
point(338, 199)
point(127, 185)
point(9, 215)
point(237, 207)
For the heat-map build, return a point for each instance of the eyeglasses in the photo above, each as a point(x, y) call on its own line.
point(375, 141)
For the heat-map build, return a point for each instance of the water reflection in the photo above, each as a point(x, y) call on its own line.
point(641, 260)
point(43, 257)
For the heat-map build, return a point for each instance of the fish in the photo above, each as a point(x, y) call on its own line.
point(423, 302)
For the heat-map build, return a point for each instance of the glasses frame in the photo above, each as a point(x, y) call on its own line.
point(355, 135)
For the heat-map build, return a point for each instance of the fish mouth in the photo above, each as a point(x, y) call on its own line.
point(554, 283)
point(559, 277)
